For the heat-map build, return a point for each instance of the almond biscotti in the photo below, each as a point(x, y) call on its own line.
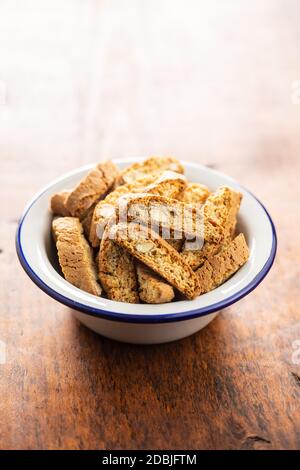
point(91, 188)
point(117, 272)
point(74, 254)
point(160, 236)
point(220, 267)
point(151, 166)
point(58, 203)
point(221, 208)
point(148, 247)
point(168, 215)
point(169, 183)
point(152, 288)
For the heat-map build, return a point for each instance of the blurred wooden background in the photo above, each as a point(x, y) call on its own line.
point(208, 81)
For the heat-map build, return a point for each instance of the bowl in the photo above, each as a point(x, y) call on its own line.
point(141, 323)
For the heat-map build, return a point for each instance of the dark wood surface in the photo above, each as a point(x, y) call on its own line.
point(209, 82)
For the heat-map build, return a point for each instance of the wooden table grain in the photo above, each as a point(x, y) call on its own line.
point(207, 81)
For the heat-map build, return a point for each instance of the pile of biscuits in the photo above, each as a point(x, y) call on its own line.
point(134, 262)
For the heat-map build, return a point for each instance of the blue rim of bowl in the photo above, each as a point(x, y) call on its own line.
point(142, 318)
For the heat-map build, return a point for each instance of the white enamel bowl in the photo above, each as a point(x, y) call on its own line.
point(139, 323)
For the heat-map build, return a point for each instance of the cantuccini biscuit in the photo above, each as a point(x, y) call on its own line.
point(148, 247)
point(58, 203)
point(152, 288)
point(93, 186)
point(195, 193)
point(74, 254)
point(151, 166)
point(171, 218)
point(220, 267)
point(117, 271)
point(169, 183)
point(221, 208)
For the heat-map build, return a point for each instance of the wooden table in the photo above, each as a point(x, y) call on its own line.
point(206, 81)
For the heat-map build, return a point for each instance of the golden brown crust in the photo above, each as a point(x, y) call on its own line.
point(152, 288)
point(75, 255)
point(93, 186)
point(220, 211)
point(151, 166)
point(117, 272)
point(158, 255)
point(168, 184)
point(220, 267)
point(58, 203)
